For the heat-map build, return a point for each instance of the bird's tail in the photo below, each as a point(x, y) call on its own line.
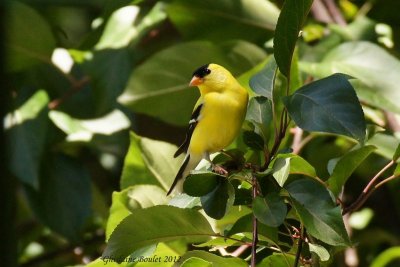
point(189, 163)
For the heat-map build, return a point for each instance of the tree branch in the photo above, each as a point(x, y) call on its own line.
point(255, 225)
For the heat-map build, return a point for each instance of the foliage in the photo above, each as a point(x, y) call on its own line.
point(99, 99)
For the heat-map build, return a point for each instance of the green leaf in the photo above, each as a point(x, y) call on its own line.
point(346, 166)
point(386, 144)
point(286, 164)
point(281, 170)
point(290, 22)
point(24, 48)
point(200, 183)
point(270, 210)
point(387, 256)
point(123, 26)
point(185, 201)
point(396, 154)
point(196, 262)
point(262, 83)
point(214, 259)
point(328, 105)
point(84, 130)
point(277, 260)
point(243, 19)
point(322, 253)
point(245, 225)
point(109, 72)
point(134, 197)
point(217, 203)
point(259, 113)
point(318, 213)
point(369, 63)
point(26, 129)
point(253, 140)
point(149, 226)
point(155, 84)
point(149, 162)
point(63, 201)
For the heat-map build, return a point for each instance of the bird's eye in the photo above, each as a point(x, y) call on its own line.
point(207, 71)
point(202, 71)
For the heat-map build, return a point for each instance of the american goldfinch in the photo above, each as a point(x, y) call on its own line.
point(216, 119)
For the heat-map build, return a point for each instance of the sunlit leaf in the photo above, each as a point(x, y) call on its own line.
point(322, 253)
point(277, 260)
point(346, 166)
point(156, 224)
point(213, 259)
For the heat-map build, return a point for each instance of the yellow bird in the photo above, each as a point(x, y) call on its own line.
point(216, 119)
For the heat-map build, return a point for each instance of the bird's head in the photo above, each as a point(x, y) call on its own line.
point(211, 76)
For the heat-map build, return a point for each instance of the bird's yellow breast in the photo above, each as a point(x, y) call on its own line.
point(220, 121)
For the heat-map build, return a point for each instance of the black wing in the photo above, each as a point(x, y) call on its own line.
point(192, 125)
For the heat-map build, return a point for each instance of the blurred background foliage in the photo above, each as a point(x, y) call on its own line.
point(83, 74)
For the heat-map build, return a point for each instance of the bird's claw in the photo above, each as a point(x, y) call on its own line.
point(220, 170)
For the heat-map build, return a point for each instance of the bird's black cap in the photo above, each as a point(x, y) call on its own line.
point(202, 71)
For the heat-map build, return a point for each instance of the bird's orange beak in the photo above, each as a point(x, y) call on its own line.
point(196, 81)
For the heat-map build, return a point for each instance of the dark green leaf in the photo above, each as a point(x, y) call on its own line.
point(224, 19)
point(290, 22)
point(346, 166)
point(26, 129)
point(245, 225)
point(317, 212)
point(259, 113)
point(253, 140)
point(328, 105)
point(369, 63)
point(149, 226)
point(270, 210)
point(63, 201)
point(212, 259)
point(262, 83)
point(217, 202)
point(200, 183)
point(29, 38)
point(165, 89)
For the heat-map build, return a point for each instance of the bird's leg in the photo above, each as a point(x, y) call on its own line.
point(216, 168)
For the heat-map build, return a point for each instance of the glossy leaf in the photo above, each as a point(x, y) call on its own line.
point(63, 201)
point(270, 210)
point(346, 166)
point(318, 213)
point(26, 129)
point(262, 83)
point(165, 89)
point(149, 226)
point(213, 259)
point(224, 20)
point(369, 63)
point(217, 203)
point(259, 113)
point(200, 183)
point(328, 105)
point(290, 22)
point(24, 26)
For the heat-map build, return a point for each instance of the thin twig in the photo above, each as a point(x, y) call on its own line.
point(76, 87)
point(299, 247)
point(335, 12)
point(239, 251)
point(320, 12)
point(369, 189)
point(255, 225)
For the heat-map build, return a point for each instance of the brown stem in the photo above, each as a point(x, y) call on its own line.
point(76, 87)
point(368, 190)
point(255, 225)
point(335, 12)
